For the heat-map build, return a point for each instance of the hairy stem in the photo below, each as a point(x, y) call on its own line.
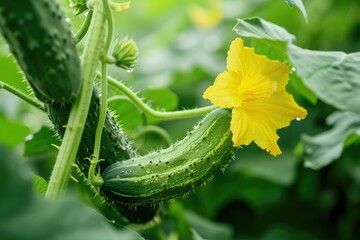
point(103, 109)
point(158, 114)
point(23, 96)
point(103, 105)
point(79, 111)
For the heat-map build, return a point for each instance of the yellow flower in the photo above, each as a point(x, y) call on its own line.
point(254, 87)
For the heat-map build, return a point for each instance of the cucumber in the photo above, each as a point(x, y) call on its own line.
point(114, 147)
point(44, 47)
point(114, 144)
point(174, 171)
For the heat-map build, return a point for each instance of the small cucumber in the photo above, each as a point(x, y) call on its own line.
point(174, 171)
point(44, 47)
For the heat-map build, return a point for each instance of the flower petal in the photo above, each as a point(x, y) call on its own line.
point(247, 127)
point(235, 56)
point(244, 60)
point(278, 110)
point(224, 92)
point(258, 121)
point(261, 76)
point(277, 72)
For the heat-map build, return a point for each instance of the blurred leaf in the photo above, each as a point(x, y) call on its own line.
point(149, 138)
point(12, 132)
point(161, 99)
point(176, 214)
point(27, 216)
point(298, 85)
point(299, 5)
point(231, 187)
point(322, 149)
point(40, 185)
point(40, 142)
point(130, 116)
point(268, 32)
point(196, 235)
point(284, 232)
point(13, 75)
point(333, 76)
point(204, 229)
point(280, 170)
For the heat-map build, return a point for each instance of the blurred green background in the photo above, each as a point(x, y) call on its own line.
point(258, 196)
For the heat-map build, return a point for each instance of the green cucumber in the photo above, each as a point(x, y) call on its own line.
point(44, 47)
point(174, 171)
point(114, 144)
point(114, 147)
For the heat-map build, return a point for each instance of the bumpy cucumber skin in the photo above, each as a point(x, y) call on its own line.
point(172, 172)
point(44, 47)
point(114, 144)
point(114, 147)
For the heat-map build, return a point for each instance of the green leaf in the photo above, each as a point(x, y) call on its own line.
point(13, 75)
point(40, 143)
point(333, 76)
point(268, 32)
point(297, 84)
point(161, 99)
point(25, 216)
point(12, 132)
point(280, 170)
point(204, 229)
point(299, 5)
point(322, 149)
point(40, 185)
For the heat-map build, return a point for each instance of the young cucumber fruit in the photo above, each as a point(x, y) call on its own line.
point(44, 47)
point(174, 171)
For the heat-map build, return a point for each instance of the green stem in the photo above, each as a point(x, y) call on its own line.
point(103, 105)
point(22, 95)
point(84, 27)
point(158, 114)
point(79, 111)
point(103, 108)
point(94, 179)
point(110, 24)
point(118, 98)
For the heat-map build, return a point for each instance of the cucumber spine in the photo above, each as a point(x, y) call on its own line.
point(174, 171)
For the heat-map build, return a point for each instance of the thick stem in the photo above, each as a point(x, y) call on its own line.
point(79, 111)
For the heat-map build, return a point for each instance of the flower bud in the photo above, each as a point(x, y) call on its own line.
point(125, 53)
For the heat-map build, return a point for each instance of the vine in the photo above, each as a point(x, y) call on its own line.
point(74, 129)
